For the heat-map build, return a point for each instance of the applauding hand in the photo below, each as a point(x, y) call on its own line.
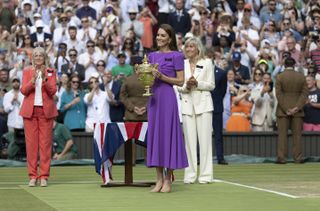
point(192, 83)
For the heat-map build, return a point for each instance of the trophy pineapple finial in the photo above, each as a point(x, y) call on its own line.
point(145, 59)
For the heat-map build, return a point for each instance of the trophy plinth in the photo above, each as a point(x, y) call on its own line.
point(145, 75)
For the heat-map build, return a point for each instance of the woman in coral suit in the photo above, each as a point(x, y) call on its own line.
point(38, 111)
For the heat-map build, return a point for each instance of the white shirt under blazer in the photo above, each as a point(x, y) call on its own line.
point(198, 99)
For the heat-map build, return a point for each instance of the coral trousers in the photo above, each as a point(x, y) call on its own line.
point(38, 137)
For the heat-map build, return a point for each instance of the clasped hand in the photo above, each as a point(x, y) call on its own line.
point(36, 74)
point(292, 111)
point(192, 83)
point(139, 111)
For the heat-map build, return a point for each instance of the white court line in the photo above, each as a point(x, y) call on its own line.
point(10, 188)
point(260, 189)
point(52, 182)
point(216, 180)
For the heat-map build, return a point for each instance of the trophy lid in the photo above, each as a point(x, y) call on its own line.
point(145, 59)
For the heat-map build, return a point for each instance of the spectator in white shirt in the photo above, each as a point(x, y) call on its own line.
point(89, 60)
point(98, 6)
point(249, 34)
point(125, 6)
point(60, 34)
point(33, 29)
point(73, 41)
point(45, 10)
point(56, 14)
point(255, 21)
point(97, 103)
point(86, 32)
point(132, 23)
point(11, 102)
point(74, 20)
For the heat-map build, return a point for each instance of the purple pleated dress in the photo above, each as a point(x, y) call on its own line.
point(165, 143)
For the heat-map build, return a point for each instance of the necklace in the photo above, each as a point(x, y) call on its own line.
point(193, 65)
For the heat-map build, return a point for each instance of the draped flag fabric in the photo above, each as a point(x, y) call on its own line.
point(107, 140)
point(102, 168)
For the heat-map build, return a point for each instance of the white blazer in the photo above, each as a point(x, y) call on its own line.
point(198, 99)
point(263, 106)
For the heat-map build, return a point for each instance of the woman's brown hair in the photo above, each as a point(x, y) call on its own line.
point(68, 88)
point(172, 34)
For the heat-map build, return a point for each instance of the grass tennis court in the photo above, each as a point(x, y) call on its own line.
point(242, 187)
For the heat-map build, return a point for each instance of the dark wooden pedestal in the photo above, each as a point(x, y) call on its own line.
point(128, 173)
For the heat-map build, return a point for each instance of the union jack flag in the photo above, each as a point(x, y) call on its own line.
point(107, 139)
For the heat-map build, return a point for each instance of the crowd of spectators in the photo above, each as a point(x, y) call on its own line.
point(94, 44)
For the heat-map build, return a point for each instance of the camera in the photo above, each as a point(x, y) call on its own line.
point(237, 45)
point(270, 85)
point(314, 35)
point(21, 58)
point(286, 55)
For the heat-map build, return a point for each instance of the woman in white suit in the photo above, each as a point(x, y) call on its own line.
point(196, 108)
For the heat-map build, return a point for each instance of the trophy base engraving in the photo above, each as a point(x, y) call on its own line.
point(148, 92)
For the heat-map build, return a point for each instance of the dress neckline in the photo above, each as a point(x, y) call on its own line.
point(165, 51)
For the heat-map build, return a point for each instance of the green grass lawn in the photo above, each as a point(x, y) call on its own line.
point(78, 188)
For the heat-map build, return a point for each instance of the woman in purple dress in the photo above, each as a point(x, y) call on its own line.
point(166, 148)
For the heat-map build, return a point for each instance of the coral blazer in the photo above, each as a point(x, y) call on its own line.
point(49, 89)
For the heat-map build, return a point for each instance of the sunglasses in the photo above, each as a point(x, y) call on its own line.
point(75, 82)
point(90, 46)
point(84, 21)
point(258, 74)
point(247, 10)
point(128, 43)
point(311, 73)
point(72, 55)
point(130, 13)
point(100, 65)
point(64, 20)
point(203, 13)
point(92, 82)
point(27, 38)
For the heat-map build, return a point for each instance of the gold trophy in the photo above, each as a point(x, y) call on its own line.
point(145, 75)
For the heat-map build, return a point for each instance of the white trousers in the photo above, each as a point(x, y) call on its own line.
point(264, 127)
point(198, 127)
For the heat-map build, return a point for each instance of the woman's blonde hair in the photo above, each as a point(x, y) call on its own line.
point(41, 51)
point(196, 42)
